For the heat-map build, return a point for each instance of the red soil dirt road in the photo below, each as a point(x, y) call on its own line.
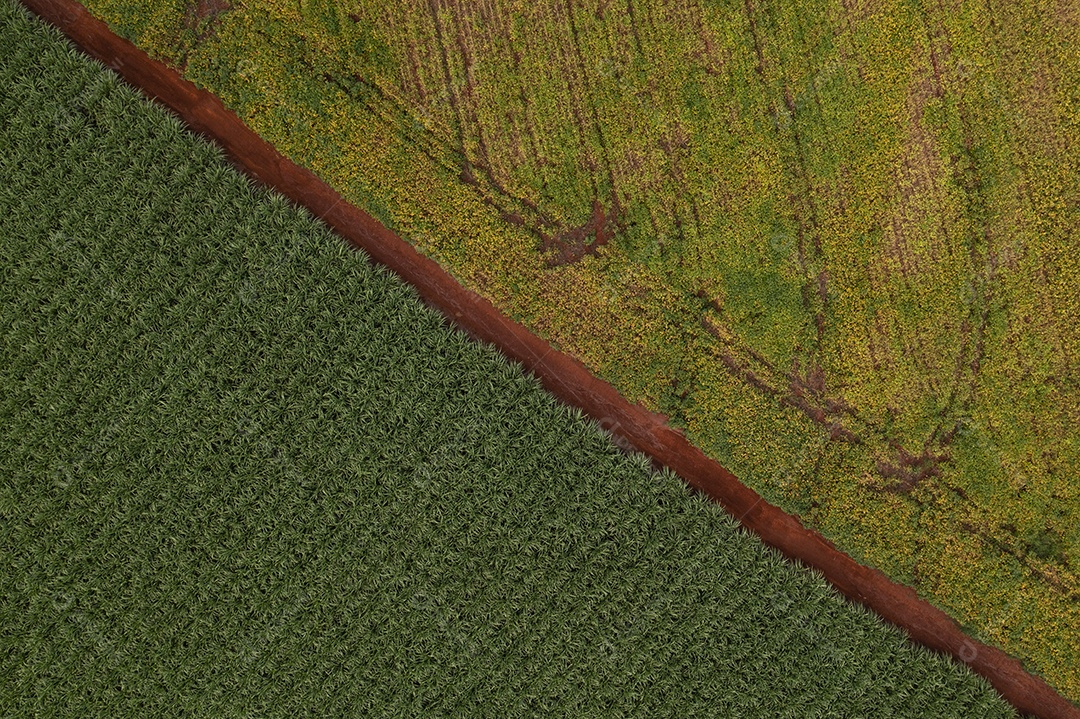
point(561, 374)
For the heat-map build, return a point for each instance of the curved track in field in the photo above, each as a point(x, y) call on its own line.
point(562, 375)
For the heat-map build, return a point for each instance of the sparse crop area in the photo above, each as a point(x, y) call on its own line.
point(244, 472)
point(834, 241)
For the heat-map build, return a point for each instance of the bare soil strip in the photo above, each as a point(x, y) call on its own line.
point(562, 375)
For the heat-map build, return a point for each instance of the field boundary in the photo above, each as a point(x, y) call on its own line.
point(633, 426)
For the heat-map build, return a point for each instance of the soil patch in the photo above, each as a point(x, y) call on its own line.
point(574, 244)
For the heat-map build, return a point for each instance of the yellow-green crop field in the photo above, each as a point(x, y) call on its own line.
point(834, 240)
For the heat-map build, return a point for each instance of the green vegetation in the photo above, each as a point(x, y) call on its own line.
point(834, 240)
point(247, 473)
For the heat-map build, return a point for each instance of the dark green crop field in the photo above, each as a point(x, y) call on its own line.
point(245, 473)
point(833, 240)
